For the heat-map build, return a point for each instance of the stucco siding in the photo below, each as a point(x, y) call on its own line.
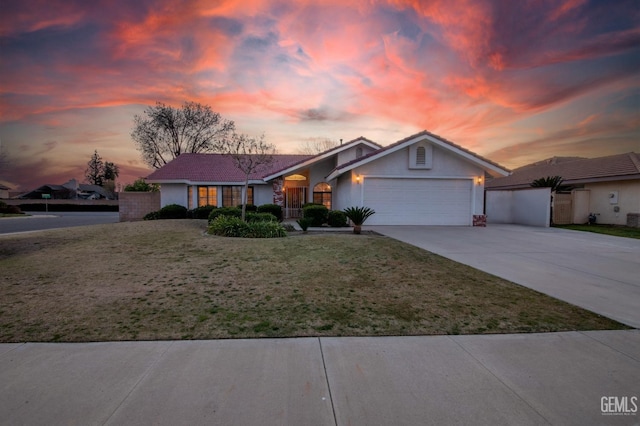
point(263, 194)
point(397, 163)
point(318, 173)
point(626, 198)
point(350, 154)
point(173, 193)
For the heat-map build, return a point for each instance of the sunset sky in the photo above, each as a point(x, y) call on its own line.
point(516, 81)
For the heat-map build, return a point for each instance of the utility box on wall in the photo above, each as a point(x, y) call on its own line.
point(613, 197)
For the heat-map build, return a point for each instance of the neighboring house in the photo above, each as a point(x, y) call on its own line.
point(423, 179)
point(69, 190)
point(607, 186)
point(4, 192)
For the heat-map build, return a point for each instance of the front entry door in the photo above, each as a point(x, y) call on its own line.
point(295, 198)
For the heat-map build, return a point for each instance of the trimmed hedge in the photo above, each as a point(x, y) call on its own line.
point(274, 209)
point(201, 212)
point(316, 212)
point(250, 208)
point(228, 226)
point(260, 217)
point(170, 211)
point(337, 219)
point(225, 211)
point(7, 209)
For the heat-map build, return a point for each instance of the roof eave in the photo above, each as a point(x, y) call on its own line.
point(322, 156)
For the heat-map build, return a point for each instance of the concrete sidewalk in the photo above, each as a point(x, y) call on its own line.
point(598, 272)
point(554, 378)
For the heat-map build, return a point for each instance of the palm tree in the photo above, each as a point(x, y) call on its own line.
point(358, 215)
point(553, 182)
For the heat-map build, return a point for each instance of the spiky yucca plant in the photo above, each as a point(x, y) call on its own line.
point(358, 215)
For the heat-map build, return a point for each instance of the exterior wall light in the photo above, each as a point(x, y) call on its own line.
point(479, 180)
point(357, 178)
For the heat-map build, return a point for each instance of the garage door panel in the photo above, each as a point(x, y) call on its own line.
point(418, 201)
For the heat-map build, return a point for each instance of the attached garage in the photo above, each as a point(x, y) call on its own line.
point(410, 201)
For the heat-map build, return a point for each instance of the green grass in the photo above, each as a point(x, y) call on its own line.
point(615, 230)
point(170, 280)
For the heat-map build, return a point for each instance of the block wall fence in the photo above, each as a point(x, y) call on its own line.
point(135, 205)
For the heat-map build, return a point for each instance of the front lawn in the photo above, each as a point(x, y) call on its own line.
point(615, 230)
point(169, 280)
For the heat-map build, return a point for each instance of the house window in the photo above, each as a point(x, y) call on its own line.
point(190, 197)
point(421, 156)
point(322, 194)
point(232, 196)
point(207, 196)
point(359, 152)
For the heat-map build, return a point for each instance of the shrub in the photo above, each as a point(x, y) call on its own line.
point(358, 214)
point(201, 212)
point(225, 211)
point(140, 185)
point(152, 216)
point(337, 219)
point(250, 208)
point(228, 226)
point(317, 213)
point(170, 211)
point(265, 230)
point(260, 217)
point(274, 209)
point(7, 209)
point(304, 223)
point(173, 211)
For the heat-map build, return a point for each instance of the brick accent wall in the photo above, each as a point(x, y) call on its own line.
point(135, 205)
point(278, 193)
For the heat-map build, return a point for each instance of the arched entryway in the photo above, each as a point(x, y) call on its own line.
point(322, 194)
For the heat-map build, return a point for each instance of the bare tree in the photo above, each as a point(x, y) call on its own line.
point(313, 146)
point(251, 156)
point(166, 132)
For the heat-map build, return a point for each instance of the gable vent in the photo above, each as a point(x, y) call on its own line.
point(421, 156)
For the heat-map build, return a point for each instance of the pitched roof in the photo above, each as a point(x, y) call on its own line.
point(322, 155)
point(574, 170)
point(411, 139)
point(214, 168)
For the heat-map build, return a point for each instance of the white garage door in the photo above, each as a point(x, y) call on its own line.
point(418, 201)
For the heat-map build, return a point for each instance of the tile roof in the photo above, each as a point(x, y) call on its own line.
point(214, 168)
point(573, 170)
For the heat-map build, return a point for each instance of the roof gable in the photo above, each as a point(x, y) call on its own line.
point(323, 155)
point(487, 165)
point(573, 171)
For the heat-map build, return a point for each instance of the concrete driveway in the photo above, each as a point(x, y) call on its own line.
point(597, 272)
